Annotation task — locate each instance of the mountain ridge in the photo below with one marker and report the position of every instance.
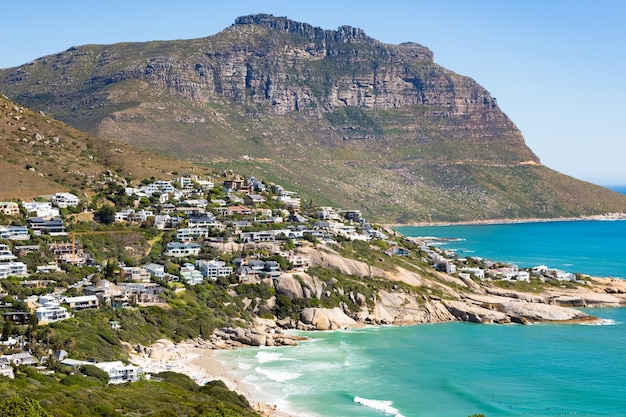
(335, 115)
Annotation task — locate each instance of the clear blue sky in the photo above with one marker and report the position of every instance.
(557, 67)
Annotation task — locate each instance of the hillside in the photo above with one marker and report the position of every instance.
(338, 116)
(39, 156)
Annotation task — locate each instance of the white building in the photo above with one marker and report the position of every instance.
(14, 233)
(191, 275)
(50, 310)
(42, 209)
(155, 269)
(214, 269)
(63, 200)
(11, 269)
(182, 250)
(118, 372)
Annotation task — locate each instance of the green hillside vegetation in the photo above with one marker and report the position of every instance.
(84, 392)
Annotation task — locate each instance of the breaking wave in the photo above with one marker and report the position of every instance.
(379, 405)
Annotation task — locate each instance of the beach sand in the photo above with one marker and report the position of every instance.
(201, 365)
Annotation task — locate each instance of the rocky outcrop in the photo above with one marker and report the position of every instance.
(326, 319)
(289, 286)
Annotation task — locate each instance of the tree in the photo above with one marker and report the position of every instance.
(22, 407)
(105, 215)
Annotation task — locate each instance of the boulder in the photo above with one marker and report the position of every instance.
(326, 319)
(289, 286)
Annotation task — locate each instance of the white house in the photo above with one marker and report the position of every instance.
(214, 269)
(155, 269)
(42, 209)
(9, 269)
(63, 200)
(191, 275)
(182, 250)
(118, 372)
(50, 310)
(14, 233)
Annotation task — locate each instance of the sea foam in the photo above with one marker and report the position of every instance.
(379, 405)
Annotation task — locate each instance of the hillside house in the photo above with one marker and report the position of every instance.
(14, 233)
(52, 227)
(50, 310)
(64, 200)
(182, 250)
(9, 208)
(12, 269)
(41, 209)
(6, 254)
(190, 275)
(397, 251)
(155, 269)
(214, 269)
(81, 302)
(136, 274)
(118, 372)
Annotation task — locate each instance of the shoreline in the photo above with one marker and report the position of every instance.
(201, 364)
(601, 217)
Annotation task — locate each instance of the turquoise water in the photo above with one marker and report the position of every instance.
(447, 370)
(591, 247)
(460, 369)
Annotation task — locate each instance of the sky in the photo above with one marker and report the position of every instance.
(556, 67)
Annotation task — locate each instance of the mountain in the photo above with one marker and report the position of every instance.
(40, 155)
(336, 115)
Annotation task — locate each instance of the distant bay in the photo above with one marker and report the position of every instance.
(593, 247)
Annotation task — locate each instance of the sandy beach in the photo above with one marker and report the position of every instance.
(201, 365)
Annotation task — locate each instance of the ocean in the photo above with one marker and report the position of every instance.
(461, 369)
(446, 370)
(593, 247)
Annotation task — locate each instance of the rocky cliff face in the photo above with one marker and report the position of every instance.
(333, 114)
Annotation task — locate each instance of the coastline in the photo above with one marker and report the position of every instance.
(200, 364)
(601, 217)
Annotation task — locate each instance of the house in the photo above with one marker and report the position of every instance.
(162, 221)
(41, 209)
(299, 262)
(447, 266)
(81, 302)
(478, 273)
(118, 372)
(182, 250)
(236, 185)
(50, 310)
(190, 275)
(22, 358)
(155, 269)
(17, 317)
(52, 227)
(48, 269)
(63, 200)
(9, 208)
(10, 269)
(6, 369)
(136, 274)
(214, 269)
(254, 199)
(246, 274)
(130, 294)
(14, 233)
(238, 210)
(398, 251)
(187, 234)
(6, 254)
(206, 221)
